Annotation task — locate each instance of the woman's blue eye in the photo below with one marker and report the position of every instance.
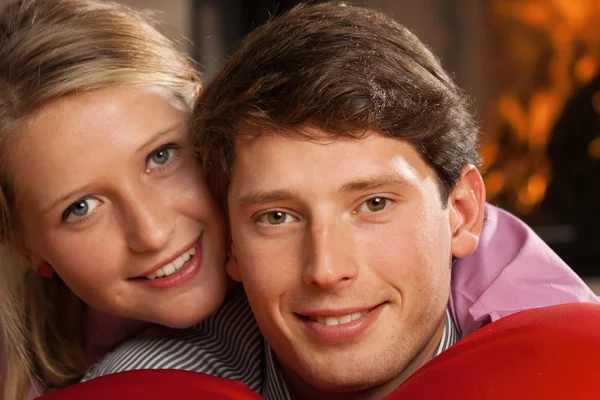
(80, 209)
(160, 156)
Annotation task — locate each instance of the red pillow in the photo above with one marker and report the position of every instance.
(544, 353)
(154, 385)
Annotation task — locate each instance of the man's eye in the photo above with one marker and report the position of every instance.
(80, 209)
(160, 157)
(275, 218)
(375, 204)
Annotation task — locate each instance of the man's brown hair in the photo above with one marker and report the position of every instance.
(345, 70)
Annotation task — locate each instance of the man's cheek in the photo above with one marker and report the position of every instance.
(260, 269)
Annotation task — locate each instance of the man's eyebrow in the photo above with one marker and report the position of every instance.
(372, 183)
(256, 197)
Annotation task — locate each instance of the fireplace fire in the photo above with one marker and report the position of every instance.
(541, 141)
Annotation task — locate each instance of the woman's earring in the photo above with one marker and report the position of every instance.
(45, 271)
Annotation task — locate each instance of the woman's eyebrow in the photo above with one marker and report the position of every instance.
(155, 137)
(46, 210)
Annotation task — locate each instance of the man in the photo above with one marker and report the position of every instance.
(347, 161)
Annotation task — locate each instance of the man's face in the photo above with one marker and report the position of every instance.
(344, 249)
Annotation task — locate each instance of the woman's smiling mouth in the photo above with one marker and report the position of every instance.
(173, 266)
(177, 270)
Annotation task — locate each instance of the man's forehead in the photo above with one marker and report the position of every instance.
(308, 139)
(302, 149)
(272, 162)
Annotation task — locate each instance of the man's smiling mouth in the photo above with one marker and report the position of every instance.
(341, 325)
(344, 319)
(337, 317)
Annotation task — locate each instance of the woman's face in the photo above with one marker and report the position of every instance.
(110, 195)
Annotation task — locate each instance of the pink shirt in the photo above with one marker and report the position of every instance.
(511, 270)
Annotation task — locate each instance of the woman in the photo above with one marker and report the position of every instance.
(100, 195)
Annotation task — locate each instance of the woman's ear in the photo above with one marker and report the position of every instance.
(17, 241)
(467, 204)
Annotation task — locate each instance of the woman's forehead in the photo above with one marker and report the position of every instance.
(78, 138)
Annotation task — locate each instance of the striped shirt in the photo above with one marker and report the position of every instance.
(228, 345)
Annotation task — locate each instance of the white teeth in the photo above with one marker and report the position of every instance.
(179, 262)
(173, 266)
(357, 315)
(169, 269)
(344, 319)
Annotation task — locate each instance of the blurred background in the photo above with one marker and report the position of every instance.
(532, 68)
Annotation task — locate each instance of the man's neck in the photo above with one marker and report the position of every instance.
(304, 391)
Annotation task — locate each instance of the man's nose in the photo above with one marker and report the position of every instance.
(150, 222)
(330, 262)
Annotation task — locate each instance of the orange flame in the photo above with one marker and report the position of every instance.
(546, 50)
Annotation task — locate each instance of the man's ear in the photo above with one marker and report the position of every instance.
(198, 91)
(467, 202)
(231, 266)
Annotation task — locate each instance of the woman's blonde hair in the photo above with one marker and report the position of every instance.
(50, 49)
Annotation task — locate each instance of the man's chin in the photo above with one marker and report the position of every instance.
(356, 381)
(351, 369)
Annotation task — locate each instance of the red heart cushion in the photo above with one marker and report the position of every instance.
(154, 385)
(544, 353)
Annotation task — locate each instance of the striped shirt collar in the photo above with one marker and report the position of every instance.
(276, 387)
